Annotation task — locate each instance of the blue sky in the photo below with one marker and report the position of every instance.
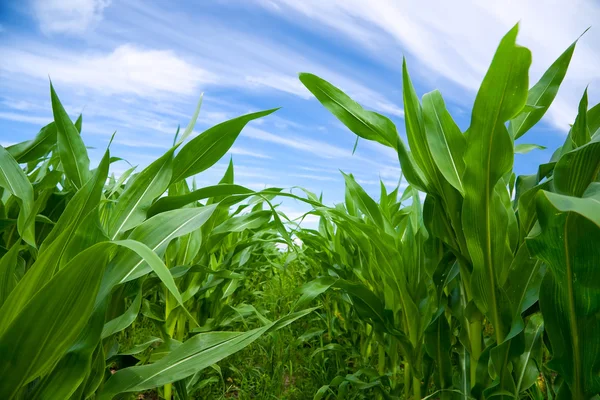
(138, 67)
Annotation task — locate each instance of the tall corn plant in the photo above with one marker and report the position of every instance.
(505, 257)
(78, 246)
(385, 261)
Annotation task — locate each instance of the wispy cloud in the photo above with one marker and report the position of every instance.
(29, 119)
(456, 40)
(68, 16)
(128, 69)
(239, 151)
(315, 177)
(318, 148)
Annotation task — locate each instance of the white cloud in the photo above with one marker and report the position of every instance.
(140, 143)
(315, 177)
(250, 153)
(456, 40)
(316, 147)
(29, 119)
(320, 169)
(68, 16)
(127, 70)
(288, 84)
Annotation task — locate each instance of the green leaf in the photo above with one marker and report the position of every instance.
(195, 354)
(155, 262)
(314, 288)
(567, 241)
(173, 202)
(71, 148)
(38, 147)
(62, 307)
(190, 128)
(14, 180)
(576, 169)
(526, 368)
(524, 148)
(251, 220)
(438, 347)
(75, 365)
(363, 201)
(542, 94)
(70, 228)
(206, 149)
(8, 279)
(156, 233)
(579, 134)
(445, 139)
(134, 202)
(366, 124)
(124, 320)
(415, 131)
(593, 120)
(488, 158)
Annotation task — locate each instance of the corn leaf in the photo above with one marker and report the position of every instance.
(567, 241)
(71, 148)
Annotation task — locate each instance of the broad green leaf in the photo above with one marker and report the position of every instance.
(62, 307)
(124, 320)
(173, 202)
(251, 220)
(524, 148)
(8, 279)
(576, 169)
(415, 132)
(83, 202)
(74, 366)
(314, 288)
(71, 148)
(155, 262)
(542, 94)
(363, 201)
(366, 124)
(14, 180)
(156, 233)
(206, 149)
(527, 367)
(489, 156)
(445, 139)
(580, 134)
(438, 347)
(195, 354)
(593, 119)
(138, 348)
(133, 203)
(567, 241)
(38, 147)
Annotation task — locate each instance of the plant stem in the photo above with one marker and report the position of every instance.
(475, 337)
(406, 380)
(417, 388)
(381, 361)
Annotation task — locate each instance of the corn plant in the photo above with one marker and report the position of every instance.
(84, 256)
(506, 241)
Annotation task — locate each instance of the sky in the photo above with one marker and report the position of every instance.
(138, 68)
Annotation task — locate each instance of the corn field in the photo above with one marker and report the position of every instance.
(472, 283)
